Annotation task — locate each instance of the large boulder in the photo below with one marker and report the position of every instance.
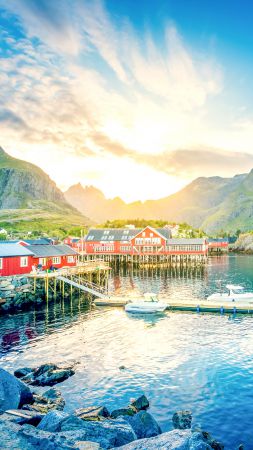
(52, 421)
(107, 433)
(182, 419)
(27, 437)
(13, 393)
(144, 425)
(172, 440)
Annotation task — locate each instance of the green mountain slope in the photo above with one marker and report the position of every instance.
(30, 200)
(213, 204)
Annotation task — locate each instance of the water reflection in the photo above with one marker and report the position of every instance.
(180, 360)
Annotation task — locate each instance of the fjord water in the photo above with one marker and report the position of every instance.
(201, 362)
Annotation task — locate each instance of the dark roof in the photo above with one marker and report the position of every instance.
(14, 250)
(121, 234)
(111, 234)
(40, 241)
(51, 250)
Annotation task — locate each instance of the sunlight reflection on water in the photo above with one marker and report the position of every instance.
(180, 360)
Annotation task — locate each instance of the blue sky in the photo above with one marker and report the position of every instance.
(106, 92)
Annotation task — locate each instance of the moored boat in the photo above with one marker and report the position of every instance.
(148, 304)
(234, 293)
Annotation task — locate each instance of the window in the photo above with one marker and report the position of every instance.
(56, 260)
(24, 261)
(1, 263)
(42, 261)
(107, 232)
(70, 259)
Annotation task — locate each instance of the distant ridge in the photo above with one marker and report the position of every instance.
(213, 204)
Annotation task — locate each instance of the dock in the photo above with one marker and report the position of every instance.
(90, 276)
(193, 306)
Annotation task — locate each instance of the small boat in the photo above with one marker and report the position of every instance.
(234, 293)
(148, 304)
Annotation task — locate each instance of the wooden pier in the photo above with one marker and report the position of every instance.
(90, 276)
(189, 305)
(151, 261)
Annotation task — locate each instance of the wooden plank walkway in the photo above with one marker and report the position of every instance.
(194, 306)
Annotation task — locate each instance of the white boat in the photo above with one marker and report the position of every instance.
(234, 293)
(148, 304)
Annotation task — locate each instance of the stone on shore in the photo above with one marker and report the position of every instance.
(123, 412)
(21, 417)
(52, 421)
(107, 433)
(140, 403)
(45, 375)
(50, 400)
(93, 413)
(182, 419)
(144, 425)
(172, 440)
(13, 393)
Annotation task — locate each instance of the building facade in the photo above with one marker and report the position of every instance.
(147, 241)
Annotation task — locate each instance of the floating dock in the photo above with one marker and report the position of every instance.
(195, 306)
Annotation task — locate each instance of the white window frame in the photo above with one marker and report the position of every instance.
(1, 263)
(43, 261)
(56, 260)
(24, 261)
(70, 259)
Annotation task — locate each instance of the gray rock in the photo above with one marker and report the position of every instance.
(50, 400)
(87, 445)
(20, 373)
(13, 393)
(130, 411)
(141, 403)
(144, 425)
(182, 419)
(52, 421)
(46, 375)
(93, 413)
(21, 417)
(172, 440)
(108, 433)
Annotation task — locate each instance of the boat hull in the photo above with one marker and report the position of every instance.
(145, 309)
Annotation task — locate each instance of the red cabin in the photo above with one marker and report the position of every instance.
(15, 259)
(57, 256)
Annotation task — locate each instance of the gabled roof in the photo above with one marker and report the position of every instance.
(40, 241)
(121, 234)
(111, 234)
(14, 250)
(47, 251)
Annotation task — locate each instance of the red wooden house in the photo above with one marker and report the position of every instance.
(147, 241)
(57, 256)
(15, 259)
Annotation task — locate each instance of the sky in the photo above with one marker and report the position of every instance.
(136, 98)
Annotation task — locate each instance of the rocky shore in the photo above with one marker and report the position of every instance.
(244, 243)
(17, 294)
(29, 419)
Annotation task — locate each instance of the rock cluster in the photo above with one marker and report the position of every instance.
(17, 293)
(30, 420)
(45, 375)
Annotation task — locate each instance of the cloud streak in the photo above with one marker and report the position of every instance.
(78, 85)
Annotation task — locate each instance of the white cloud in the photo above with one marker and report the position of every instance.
(86, 76)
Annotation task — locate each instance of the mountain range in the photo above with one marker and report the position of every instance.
(212, 203)
(30, 199)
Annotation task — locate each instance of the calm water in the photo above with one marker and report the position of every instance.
(203, 362)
